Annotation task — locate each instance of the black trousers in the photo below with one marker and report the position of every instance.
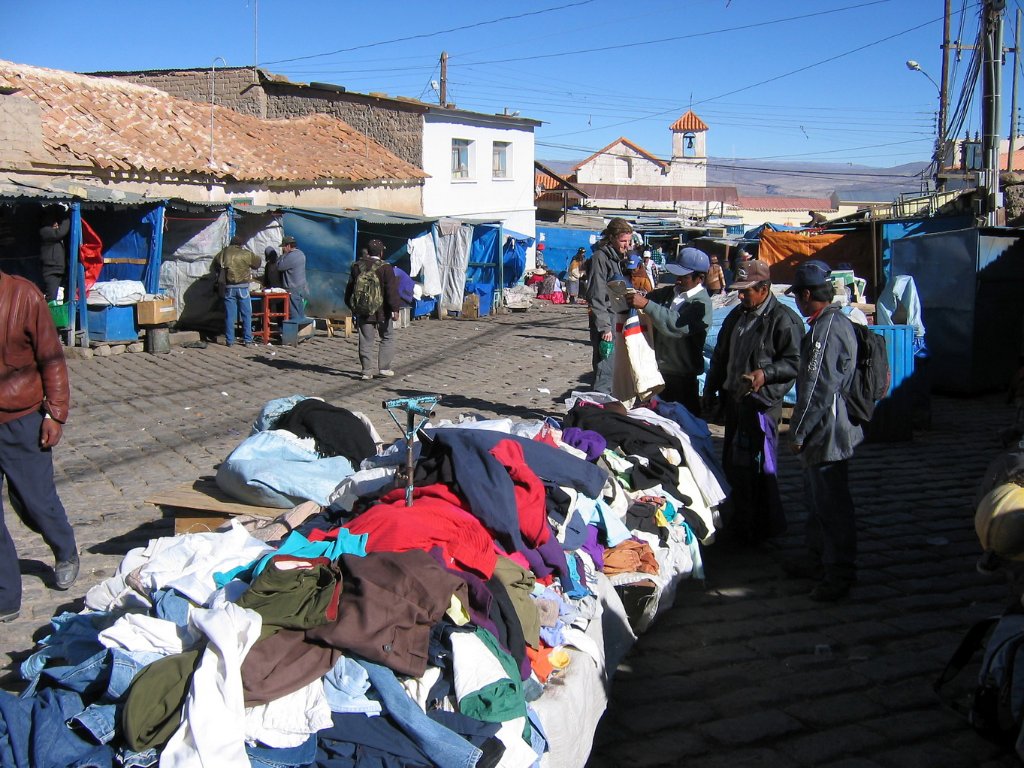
(831, 528)
(683, 390)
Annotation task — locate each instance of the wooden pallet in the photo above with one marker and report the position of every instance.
(202, 506)
(346, 319)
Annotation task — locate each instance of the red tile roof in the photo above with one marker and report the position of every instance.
(689, 122)
(780, 203)
(622, 140)
(116, 125)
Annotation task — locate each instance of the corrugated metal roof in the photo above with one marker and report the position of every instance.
(662, 194)
(689, 122)
(780, 203)
(119, 126)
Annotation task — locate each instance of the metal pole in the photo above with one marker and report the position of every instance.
(991, 82)
(1013, 94)
(213, 98)
(256, 40)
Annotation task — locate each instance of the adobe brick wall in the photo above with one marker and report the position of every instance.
(233, 87)
(399, 130)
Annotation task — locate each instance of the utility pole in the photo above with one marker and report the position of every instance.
(992, 61)
(443, 94)
(940, 150)
(1013, 94)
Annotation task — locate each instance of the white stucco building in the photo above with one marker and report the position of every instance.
(625, 175)
(479, 167)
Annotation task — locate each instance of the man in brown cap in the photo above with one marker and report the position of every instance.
(754, 365)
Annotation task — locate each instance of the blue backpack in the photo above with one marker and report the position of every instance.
(995, 707)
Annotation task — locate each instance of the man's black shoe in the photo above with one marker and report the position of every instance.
(829, 591)
(66, 572)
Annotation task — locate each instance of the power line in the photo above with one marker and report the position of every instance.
(433, 34)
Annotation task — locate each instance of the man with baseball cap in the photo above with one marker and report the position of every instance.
(681, 316)
(754, 365)
(292, 265)
(823, 436)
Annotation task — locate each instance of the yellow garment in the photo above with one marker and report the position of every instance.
(999, 521)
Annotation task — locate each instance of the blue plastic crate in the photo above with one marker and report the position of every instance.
(893, 420)
(113, 324)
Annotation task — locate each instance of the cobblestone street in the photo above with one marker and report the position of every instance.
(744, 670)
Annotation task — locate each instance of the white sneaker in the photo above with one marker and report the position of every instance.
(366, 376)
(387, 372)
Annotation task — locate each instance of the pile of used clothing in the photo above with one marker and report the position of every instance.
(365, 632)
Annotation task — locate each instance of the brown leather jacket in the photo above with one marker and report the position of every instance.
(33, 374)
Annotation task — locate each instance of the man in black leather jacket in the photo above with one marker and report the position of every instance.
(754, 365)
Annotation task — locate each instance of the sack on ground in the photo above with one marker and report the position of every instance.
(871, 376)
(996, 705)
(367, 293)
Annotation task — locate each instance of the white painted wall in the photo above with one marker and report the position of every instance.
(688, 172)
(509, 200)
(613, 168)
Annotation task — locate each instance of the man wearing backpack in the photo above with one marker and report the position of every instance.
(823, 435)
(372, 295)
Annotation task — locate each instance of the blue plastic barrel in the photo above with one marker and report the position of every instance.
(894, 415)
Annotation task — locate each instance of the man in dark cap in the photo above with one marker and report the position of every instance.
(292, 265)
(681, 316)
(754, 365)
(823, 436)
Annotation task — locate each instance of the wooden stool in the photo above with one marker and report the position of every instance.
(349, 326)
(267, 312)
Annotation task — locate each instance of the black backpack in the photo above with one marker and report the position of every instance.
(995, 706)
(870, 377)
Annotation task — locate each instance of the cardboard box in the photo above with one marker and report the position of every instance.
(156, 312)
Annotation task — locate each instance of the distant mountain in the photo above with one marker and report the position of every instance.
(795, 179)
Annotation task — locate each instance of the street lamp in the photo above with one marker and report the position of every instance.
(913, 66)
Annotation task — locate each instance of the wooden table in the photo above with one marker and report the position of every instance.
(273, 307)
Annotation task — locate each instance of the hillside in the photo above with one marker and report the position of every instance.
(789, 179)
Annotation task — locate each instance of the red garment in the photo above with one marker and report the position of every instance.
(436, 519)
(90, 253)
(529, 490)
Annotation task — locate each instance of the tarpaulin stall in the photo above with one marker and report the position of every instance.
(969, 282)
(784, 251)
(561, 244)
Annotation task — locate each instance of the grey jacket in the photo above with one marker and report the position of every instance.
(604, 265)
(828, 355)
(680, 333)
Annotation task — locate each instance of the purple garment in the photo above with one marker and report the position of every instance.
(593, 548)
(587, 440)
(771, 443)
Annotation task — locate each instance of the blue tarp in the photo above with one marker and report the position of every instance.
(755, 233)
(897, 230)
(514, 256)
(329, 243)
(482, 271)
(561, 244)
(131, 233)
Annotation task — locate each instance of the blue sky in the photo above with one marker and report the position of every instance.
(808, 80)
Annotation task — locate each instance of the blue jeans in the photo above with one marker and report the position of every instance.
(296, 306)
(443, 746)
(237, 303)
